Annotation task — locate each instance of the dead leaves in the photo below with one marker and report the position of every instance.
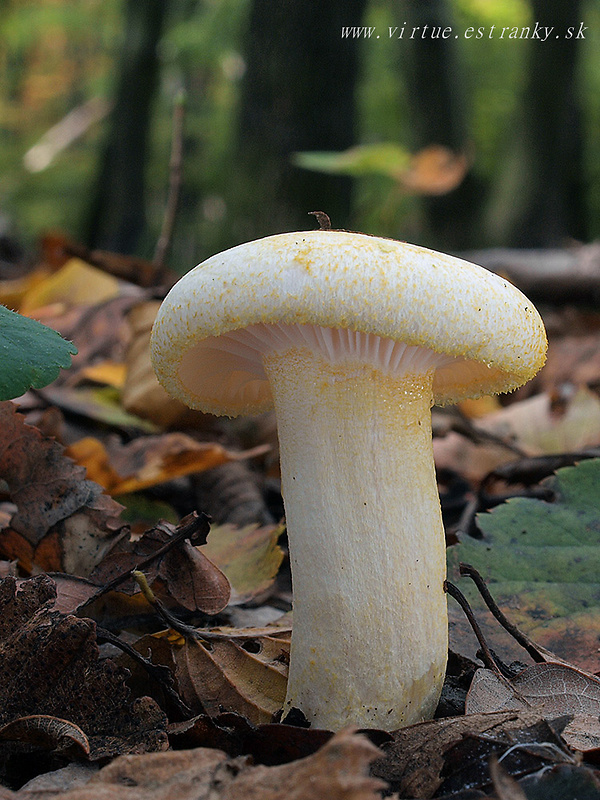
(338, 771)
(231, 670)
(148, 460)
(55, 693)
(443, 756)
(553, 689)
(171, 556)
(56, 505)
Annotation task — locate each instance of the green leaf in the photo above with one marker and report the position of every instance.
(31, 354)
(541, 561)
(385, 158)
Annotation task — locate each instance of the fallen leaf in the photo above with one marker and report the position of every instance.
(50, 669)
(563, 782)
(142, 393)
(148, 460)
(99, 404)
(534, 425)
(190, 577)
(53, 496)
(269, 744)
(506, 788)
(441, 756)
(240, 670)
(74, 284)
(12, 291)
(249, 556)
(555, 690)
(542, 564)
(107, 373)
(47, 733)
(338, 771)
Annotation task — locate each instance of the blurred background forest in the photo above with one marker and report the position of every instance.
(489, 142)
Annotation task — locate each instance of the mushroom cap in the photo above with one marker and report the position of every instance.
(334, 290)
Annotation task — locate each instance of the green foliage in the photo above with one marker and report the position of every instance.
(385, 158)
(31, 354)
(541, 559)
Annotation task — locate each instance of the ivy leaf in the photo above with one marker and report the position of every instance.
(31, 354)
(541, 561)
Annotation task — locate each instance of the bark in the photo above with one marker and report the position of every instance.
(117, 216)
(298, 94)
(548, 192)
(438, 113)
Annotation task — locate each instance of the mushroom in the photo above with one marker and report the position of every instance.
(352, 338)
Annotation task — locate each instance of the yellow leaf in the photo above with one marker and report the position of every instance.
(75, 284)
(250, 557)
(13, 291)
(108, 373)
(142, 393)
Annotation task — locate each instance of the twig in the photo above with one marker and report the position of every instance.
(175, 174)
(161, 674)
(194, 527)
(322, 219)
(487, 656)
(185, 630)
(538, 654)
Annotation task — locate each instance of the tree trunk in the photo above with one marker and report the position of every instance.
(298, 94)
(551, 186)
(438, 117)
(117, 216)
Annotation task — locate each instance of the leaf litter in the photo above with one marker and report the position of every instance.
(221, 687)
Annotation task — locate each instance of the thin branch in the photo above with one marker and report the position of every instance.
(175, 175)
(538, 654)
(194, 527)
(161, 674)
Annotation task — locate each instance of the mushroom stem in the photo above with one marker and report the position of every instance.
(367, 548)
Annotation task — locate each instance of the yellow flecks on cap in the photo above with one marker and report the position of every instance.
(371, 285)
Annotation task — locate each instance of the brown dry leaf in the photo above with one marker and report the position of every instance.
(142, 393)
(149, 460)
(75, 284)
(573, 359)
(189, 576)
(535, 425)
(552, 689)
(434, 170)
(338, 771)
(249, 556)
(47, 733)
(424, 756)
(54, 500)
(506, 788)
(244, 671)
(50, 667)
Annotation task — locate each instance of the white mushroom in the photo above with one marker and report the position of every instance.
(352, 338)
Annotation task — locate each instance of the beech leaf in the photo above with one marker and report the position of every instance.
(555, 690)
(249, 556)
